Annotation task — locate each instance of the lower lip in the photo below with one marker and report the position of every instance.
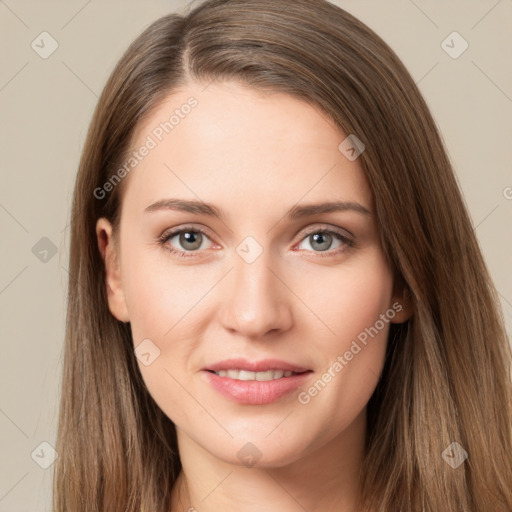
(255, 392)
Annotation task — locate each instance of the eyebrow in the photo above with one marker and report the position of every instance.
(297, 212)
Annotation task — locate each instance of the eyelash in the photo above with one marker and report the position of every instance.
(165, 237)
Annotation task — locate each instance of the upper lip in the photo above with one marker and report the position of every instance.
(254, 366)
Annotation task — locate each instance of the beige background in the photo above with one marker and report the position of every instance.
(46, 105)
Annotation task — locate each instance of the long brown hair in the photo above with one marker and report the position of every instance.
(446, 376)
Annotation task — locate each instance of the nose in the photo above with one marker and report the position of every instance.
(257, 301)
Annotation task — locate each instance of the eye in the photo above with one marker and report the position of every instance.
(187, 239)
(322, 240)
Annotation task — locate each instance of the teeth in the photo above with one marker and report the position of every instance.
(259, 376)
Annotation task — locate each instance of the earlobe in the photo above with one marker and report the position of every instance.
(402, 304)
(113, 283)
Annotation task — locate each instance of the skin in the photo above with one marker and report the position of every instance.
(254, 156)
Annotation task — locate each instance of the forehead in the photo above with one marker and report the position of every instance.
(229, 143)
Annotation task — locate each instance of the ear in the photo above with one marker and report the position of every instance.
(109, 254)
(401, 303)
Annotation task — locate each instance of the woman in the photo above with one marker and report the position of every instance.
(331, 340)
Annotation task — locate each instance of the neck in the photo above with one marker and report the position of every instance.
(323, 479)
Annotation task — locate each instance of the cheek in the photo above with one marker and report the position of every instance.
(355, 309)
(158, 292)
(162, 299)
(347, 298)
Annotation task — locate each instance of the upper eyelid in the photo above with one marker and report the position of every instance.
(319, 227)
(170, 233)
(328, 228)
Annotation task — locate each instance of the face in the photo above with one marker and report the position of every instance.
(219, 256)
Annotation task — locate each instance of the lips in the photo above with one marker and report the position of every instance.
(259, 391)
